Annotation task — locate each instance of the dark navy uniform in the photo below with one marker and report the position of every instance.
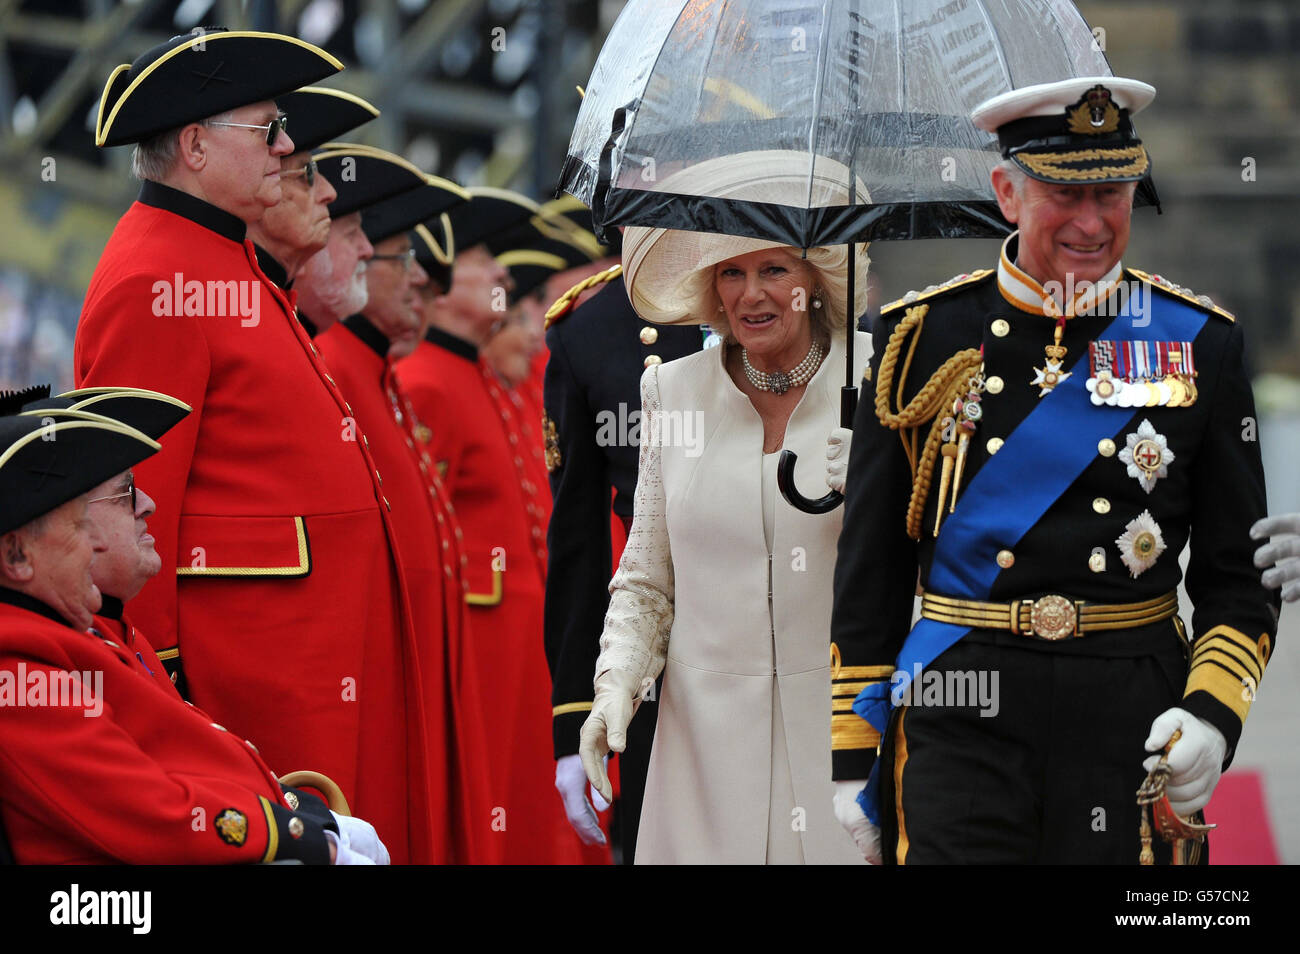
(1044, 767)
(598, 353)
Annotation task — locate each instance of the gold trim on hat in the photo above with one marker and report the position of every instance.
(1052, 164)
(101, 133)
(531, 256)
(334, 150)
(341, 94)
(442, 256)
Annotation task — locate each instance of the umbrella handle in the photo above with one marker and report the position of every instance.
(785, 466)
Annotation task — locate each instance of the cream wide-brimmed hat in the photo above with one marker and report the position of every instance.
(669, 272)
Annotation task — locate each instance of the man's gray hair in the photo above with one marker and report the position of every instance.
(154, 157)
(1014, 173)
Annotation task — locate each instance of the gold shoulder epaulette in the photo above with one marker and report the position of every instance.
(564, 304)
(1178, 291)
(957, 281)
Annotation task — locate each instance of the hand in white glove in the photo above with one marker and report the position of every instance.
(1195, 761)
(571, 782)
(837, 458)
(1281, 555)
(358, 837)
(849, 814)
(618, 694)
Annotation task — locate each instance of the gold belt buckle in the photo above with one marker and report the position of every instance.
(1053, 617)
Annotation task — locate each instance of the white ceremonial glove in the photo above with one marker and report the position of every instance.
(618, 694)
(358, 837)
(837, 458)
(571, 782)
(1281, 555)
(1195, 761)
(849, 814)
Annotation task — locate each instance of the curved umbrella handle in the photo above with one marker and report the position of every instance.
(785, 481)
(785, 466)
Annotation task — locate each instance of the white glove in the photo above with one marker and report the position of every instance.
(1281, 555)
(1195, 761)
(849, 814)
(837, 458)
(618, 694)
(358, 842)
(571, 782)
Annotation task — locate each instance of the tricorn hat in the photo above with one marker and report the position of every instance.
(1071, 132)
(530, 267)
(364, 175)
(150, 412)
(319, 115)
(201, 74)
(490, 216)
(435, 249)
(46, 463)
(403, 212)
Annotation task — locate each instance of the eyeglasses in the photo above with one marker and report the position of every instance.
(129, 492)
(308, 171)
(273, 128)
(407, 258)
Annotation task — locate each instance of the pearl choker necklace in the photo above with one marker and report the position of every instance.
(778, 382)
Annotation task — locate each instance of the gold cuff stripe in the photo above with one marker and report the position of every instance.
(1230, 658)
(848, 688)
(870, 673)
(1226, 638)
(852, 732)
(1054, 164)
(489, 599)
(1227, 687)
(568, 707)
(272, 831)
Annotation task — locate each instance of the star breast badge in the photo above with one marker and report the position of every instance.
(1147, 455)
(1141, 544)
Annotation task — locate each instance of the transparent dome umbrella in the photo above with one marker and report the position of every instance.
(883, 87)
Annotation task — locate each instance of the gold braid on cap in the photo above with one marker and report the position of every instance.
(948, 383)
(564, 304)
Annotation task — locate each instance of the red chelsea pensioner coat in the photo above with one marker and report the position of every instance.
(280, 579)
(122, 771)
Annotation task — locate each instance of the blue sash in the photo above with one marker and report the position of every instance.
(1000, 505)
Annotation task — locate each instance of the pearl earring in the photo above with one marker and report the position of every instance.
(817, 299)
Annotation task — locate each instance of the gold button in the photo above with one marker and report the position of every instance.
(292, 800)
(1097, 562)
(295, 827)
(649, 335)
(652, 360)
(1006, 558)
(1001, 327)
(1106, 447)
(221, 728)
(993, 385)
(994, 445)
(1101, 505)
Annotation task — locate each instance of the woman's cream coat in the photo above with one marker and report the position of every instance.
(691, 598)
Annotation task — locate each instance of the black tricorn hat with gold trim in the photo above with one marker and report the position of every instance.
(201, 74)
(364, 175)
(319, 115)
(532, 266)
(46, 463)
(435, 249)
(402, 212)
(1072, 132)
(149, 412)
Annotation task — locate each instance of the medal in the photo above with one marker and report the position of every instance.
(1141, 544)
(1147, 456)
(1050, 374)
(1141, 373)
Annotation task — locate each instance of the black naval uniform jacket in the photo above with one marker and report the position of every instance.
(598, 353)
(1214, 491)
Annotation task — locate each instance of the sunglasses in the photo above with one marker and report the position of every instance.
(308, 172)
(273, 128)
(129, 492)
(405, 259)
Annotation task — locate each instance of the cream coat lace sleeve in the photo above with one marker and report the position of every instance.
(640, 614)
